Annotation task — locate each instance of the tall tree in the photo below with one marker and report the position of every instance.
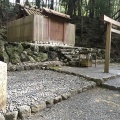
(70, 7)
(52, 4)
(38, 3)
(79, 7)
(17, 1)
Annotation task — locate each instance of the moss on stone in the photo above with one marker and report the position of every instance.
(6, 57)
(15, 58)
(29, 52)
(3, 55)
(1, 50)
(24, 57)
(43, 57)
(31, 58)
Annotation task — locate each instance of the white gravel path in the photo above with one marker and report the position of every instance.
(27, 87)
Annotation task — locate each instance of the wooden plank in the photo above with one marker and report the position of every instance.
(107, 19)
(69, 34)
(21, 29)
(45, 29)
(108, 47)
(115, 31)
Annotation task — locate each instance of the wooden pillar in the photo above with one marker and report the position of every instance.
(108, 47)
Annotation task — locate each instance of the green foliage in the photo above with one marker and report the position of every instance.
(91, 8)
(6, 10)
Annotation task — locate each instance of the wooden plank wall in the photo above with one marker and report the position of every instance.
(40, 29)
(37, 28)
(45, 30)
(69, 34)
(56, 31)
(20, 29)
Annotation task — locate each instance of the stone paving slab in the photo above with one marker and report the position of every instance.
(95, 74)
(113, 84)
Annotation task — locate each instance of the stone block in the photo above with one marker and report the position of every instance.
(38, 107)
(2, 117)
(50, 102)
(24, 112)
(57, 99)
(11, 115)
(3, 85)
(73, 92)
(20, 68)
(65, 96)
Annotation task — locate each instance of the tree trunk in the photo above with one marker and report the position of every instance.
(92, 8)
(17, 1)
(52, 4)
(79, 7)
(70, 7)
(38, 3)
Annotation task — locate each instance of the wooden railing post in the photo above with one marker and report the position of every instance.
(108, 47)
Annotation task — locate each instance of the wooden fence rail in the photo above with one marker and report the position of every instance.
(110, 23)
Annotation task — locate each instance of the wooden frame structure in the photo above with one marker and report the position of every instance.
(110, 23)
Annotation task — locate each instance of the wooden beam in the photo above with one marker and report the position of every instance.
(107, 19)
(108, 47)
(115, 31)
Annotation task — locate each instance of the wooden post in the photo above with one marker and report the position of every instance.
(108, 47)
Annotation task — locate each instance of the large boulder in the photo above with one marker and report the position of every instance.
(14, 52)
(24, 57)
(15, 58)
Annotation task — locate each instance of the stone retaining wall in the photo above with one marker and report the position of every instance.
(3, 85)
(17, 53)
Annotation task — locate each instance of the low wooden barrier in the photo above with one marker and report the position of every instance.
(110, 23)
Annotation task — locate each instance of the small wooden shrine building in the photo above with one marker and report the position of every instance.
(41, 26)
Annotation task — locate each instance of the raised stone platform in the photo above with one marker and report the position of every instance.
(95, 74)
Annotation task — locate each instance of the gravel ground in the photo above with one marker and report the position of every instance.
(95, 104)
(27, 87)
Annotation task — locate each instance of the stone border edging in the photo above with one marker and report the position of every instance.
(110, 87)
(32, 66)
(26, 111)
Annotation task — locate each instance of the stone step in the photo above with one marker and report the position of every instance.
(113, 84)
(70, 53)
(69, 50)
(72, 56)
